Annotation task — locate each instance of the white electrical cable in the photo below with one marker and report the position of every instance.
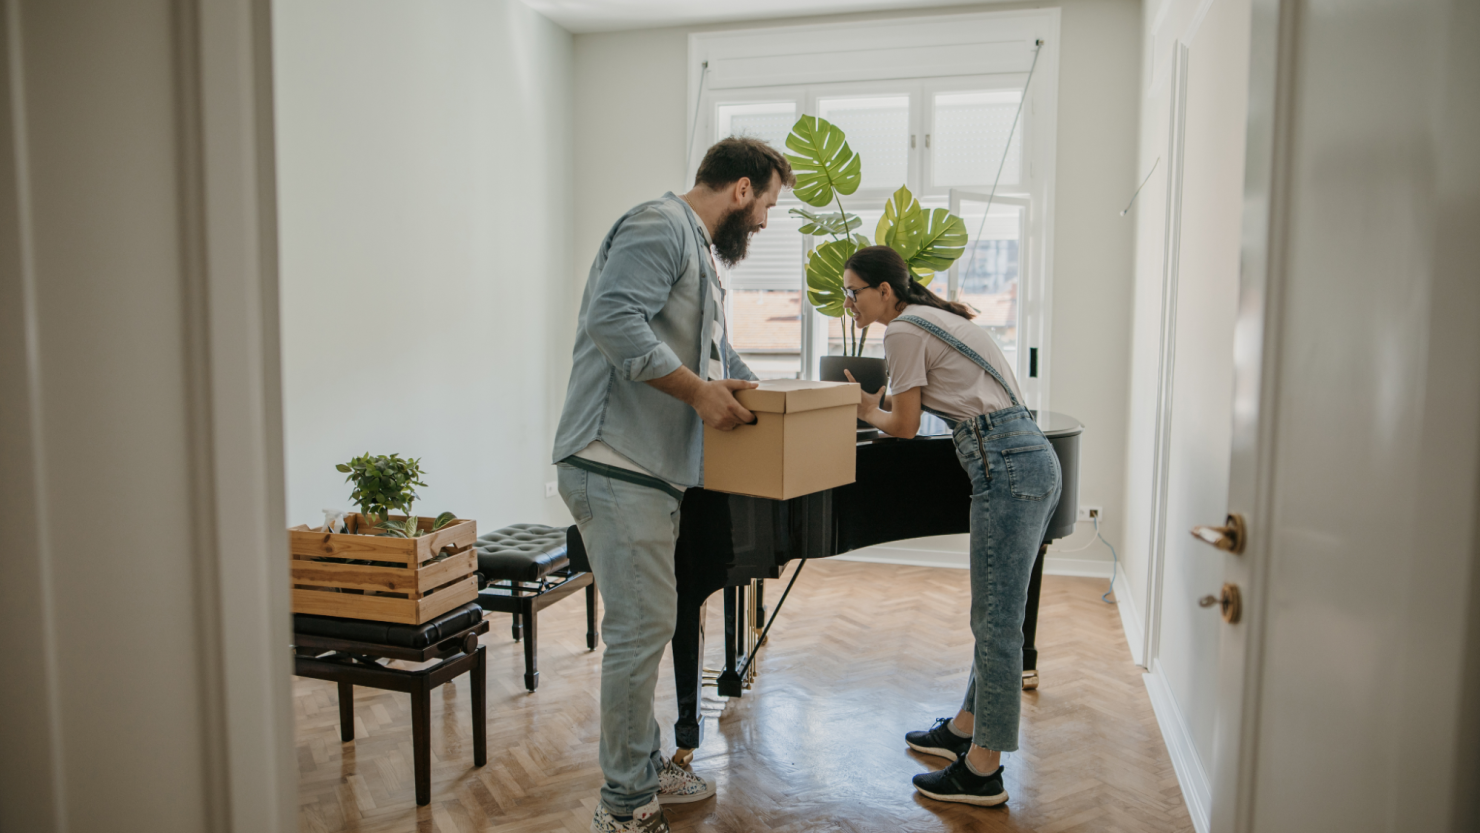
(1023, 99)
(1092, 541)
(703, 74)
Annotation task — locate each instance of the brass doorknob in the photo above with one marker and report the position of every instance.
(1227, 600)
(1229, 537)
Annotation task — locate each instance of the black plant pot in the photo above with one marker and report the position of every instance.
(871, 374)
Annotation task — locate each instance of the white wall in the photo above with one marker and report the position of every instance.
(630, 134)
(424, 174)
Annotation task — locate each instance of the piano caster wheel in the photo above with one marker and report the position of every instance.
(1030, 680)
(683, 757)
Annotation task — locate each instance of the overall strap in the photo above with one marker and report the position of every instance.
(969, 353)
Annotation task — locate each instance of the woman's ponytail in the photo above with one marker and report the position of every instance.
(876, 265)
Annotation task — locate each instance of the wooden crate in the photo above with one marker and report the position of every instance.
(406, 581)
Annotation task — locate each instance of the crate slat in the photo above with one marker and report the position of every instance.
(433, 576)
(356, 576)
(445, 599)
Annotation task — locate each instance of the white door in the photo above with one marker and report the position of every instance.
(1344, 704)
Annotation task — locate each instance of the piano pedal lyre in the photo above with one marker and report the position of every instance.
(1030, 680)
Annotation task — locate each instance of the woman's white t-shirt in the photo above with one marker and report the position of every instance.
(951, 383)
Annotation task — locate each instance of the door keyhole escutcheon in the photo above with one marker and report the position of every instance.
(1228, 601)
(1230, 537)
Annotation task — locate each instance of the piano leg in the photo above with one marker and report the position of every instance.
(688, 675)
(1030, 623)
(730, 683)
(759, 587)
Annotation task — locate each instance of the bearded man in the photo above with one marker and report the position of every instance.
(652, 366)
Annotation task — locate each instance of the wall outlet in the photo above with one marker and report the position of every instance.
(551, 489)
(1089, 513)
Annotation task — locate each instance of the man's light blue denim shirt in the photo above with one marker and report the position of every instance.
(629, 333)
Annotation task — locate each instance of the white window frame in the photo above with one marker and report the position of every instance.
(922, 56)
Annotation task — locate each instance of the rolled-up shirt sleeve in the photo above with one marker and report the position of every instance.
(644, 262)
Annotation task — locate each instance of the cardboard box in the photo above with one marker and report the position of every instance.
(804, 441)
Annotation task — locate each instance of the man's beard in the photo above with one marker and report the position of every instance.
(732, 238)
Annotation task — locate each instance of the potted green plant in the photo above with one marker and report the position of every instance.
(383, 483)
(827, 170)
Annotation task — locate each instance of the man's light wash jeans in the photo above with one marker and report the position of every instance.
(630, 532)
(1015, 487)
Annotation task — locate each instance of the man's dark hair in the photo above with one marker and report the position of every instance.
(741, 156)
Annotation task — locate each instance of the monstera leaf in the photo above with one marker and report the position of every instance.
(825, 274)
(822, 224)
(823, 162)
(942, 240)
(900, 227)
(927, 240)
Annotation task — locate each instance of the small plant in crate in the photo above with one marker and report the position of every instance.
(385, 482)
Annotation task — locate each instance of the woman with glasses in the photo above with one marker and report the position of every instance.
(941, 363)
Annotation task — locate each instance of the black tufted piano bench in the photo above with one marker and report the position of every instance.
(526, 567)
(349, 652)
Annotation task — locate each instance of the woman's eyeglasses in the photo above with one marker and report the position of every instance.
(852, 294)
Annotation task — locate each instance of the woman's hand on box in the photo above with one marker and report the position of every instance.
(867, 402)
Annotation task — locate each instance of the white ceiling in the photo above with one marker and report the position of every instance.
(581, 16)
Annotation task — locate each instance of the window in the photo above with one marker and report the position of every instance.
(928, 103)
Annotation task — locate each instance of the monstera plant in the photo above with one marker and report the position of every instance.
(826, 171)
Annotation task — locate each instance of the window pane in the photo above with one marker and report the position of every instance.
(765, 299)
(879, 131)
(988, 270)
(770, 122)
(768, 331)
(969, 135)
(776, 258)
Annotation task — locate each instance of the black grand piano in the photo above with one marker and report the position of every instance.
(731, 543)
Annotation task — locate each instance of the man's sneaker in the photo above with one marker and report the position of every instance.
(677, 785)
(958, 783)
(939, 741)
(647, 819)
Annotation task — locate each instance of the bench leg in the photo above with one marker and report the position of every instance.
(531, 662)
(514, 591)
(421, 741)
(480, 712)
(346, 712)
(591, 616)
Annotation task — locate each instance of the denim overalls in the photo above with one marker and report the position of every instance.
(1015, 486)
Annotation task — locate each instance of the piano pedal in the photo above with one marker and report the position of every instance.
(683, 757)
(1030, 680)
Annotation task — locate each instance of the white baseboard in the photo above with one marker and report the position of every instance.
(1191, 776)
(1130, 619)
(1053, 564)
(1063, 565)
(909, 556)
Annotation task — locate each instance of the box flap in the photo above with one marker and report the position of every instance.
(789, 396)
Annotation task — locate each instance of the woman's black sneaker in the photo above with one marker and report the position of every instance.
(939, 741)
(958, 783)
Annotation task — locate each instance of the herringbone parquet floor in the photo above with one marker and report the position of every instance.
(861, 654)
